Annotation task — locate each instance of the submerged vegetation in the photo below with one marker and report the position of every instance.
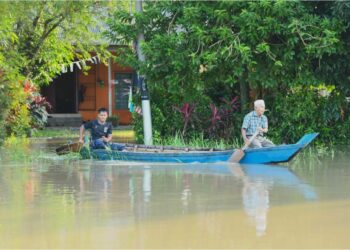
(312, 157)
(23, 150)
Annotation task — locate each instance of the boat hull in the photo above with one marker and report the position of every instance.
(281, 153)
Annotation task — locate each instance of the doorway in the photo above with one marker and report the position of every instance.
(65, 93)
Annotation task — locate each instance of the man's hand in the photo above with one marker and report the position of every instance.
(246, 141)
(105, 139)
(81, 140)
(262, 130)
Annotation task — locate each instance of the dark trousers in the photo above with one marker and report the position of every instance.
(100, 144)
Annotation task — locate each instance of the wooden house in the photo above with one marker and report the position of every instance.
(76, 95)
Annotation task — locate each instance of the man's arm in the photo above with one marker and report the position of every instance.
(244, 135)
(108, 138)
(245, 125)
(264, 128)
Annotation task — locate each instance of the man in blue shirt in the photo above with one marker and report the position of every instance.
(256, 121)
(101, 132)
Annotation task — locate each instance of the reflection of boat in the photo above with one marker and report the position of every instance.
(278, 175)
(257, 182)
(281, 153)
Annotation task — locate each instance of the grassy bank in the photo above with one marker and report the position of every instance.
(122, 135)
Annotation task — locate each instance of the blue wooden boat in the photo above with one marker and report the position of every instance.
(142, 153)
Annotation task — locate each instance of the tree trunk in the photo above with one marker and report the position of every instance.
(244, 89)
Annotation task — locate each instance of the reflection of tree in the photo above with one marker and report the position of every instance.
(30, 187)
(30, 201)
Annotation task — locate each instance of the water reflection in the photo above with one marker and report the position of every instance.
(90, 194)
(258, 181)
(255, 196)
(189, 188)
(52, 203)
(147, 183)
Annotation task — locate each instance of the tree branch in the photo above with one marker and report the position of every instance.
(37, 18)
(172, 21)
(41, 41)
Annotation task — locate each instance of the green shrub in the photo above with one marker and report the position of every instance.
(4, 107)
(137, 124)
(114, 119)
(17, 119)
(304, 110)
(158, 124)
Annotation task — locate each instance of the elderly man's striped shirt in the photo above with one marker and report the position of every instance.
(252, 121)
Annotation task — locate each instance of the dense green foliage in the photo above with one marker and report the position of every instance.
(199, 52)
(328, 115)
(206, 61)
(36, 39)
(114, 119)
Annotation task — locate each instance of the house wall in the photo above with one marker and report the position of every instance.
(94, 86)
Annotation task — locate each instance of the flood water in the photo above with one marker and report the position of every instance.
(54, 202)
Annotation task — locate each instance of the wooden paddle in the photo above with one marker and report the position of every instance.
(239, 153)
(69, 147)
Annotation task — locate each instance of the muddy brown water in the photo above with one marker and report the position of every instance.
(48, 201)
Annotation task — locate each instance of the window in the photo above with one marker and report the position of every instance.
(123, 82)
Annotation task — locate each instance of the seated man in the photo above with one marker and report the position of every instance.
(256, 121)
(101, 132)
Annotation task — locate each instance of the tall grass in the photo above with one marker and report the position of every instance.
(19, 150)
(312, 157)
(195, 141)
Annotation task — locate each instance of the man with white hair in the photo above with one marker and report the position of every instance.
(256, 121)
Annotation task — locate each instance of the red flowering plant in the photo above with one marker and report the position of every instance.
(215, 120)
(37, 106)
(231, 105)
(187, 111)
(38, 110)
(28, 87)
(221, 119)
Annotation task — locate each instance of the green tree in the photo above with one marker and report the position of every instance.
(38, 37)
(203, 50)
(52, 33)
